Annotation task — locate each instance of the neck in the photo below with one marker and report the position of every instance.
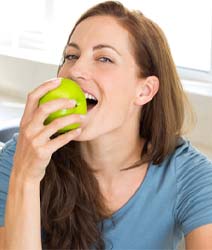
(111, 153)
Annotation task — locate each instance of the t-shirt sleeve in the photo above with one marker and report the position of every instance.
(194, 190)
(6, 163)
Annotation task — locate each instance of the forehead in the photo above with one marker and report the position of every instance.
(101, 29)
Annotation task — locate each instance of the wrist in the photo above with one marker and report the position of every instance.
(19, 180)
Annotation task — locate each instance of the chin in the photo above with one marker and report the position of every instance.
(84, 137)
(87, 136)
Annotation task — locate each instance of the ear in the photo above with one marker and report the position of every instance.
(147, 89)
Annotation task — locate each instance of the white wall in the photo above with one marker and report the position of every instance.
(20, 76)
(201, 135)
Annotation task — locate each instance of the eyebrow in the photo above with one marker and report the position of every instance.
(97, 47)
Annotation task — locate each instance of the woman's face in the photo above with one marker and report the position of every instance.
(99, 58)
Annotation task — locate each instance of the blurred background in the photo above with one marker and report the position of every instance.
(33, 34)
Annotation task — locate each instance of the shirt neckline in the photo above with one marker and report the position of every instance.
(139, 190)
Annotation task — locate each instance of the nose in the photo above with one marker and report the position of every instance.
(80, 70)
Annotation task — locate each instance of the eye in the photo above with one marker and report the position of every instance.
(105, 60)
(71, 57)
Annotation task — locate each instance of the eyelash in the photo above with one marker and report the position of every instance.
(74, 57)
(106, 60)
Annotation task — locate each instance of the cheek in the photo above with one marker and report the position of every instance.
(118, 86)
(61, 72)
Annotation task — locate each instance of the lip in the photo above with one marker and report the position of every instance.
(89, 92)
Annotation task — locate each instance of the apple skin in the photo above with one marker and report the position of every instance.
(67, 89)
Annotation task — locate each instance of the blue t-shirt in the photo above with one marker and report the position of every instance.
(174, 199)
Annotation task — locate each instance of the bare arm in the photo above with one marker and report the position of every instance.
(22, 218)
(200, 238)
(2, 236)
(34, 149)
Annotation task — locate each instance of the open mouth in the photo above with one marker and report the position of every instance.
(91, 101)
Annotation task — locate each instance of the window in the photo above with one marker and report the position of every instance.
(188, 28)
(23, 27)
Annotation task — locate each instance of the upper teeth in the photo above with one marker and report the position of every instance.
(89, 96)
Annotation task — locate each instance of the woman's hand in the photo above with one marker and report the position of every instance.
(34, 146)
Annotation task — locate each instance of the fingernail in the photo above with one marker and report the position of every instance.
(57, 80)
(73, 102)
(82, 116)
(78, 130)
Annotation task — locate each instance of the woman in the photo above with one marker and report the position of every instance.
(127, 179)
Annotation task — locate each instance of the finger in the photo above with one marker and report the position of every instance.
(44, 110)
(34, 96)
(60, 123)
(62, 140)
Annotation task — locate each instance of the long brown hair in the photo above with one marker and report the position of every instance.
(72, 206)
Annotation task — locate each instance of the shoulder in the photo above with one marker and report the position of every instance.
(193, 173)
(6, 157)
(6, 163)
(190, 163)
(9, 148)
(9, 145)
(183, 162)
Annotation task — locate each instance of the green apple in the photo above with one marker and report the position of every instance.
(67, 89)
